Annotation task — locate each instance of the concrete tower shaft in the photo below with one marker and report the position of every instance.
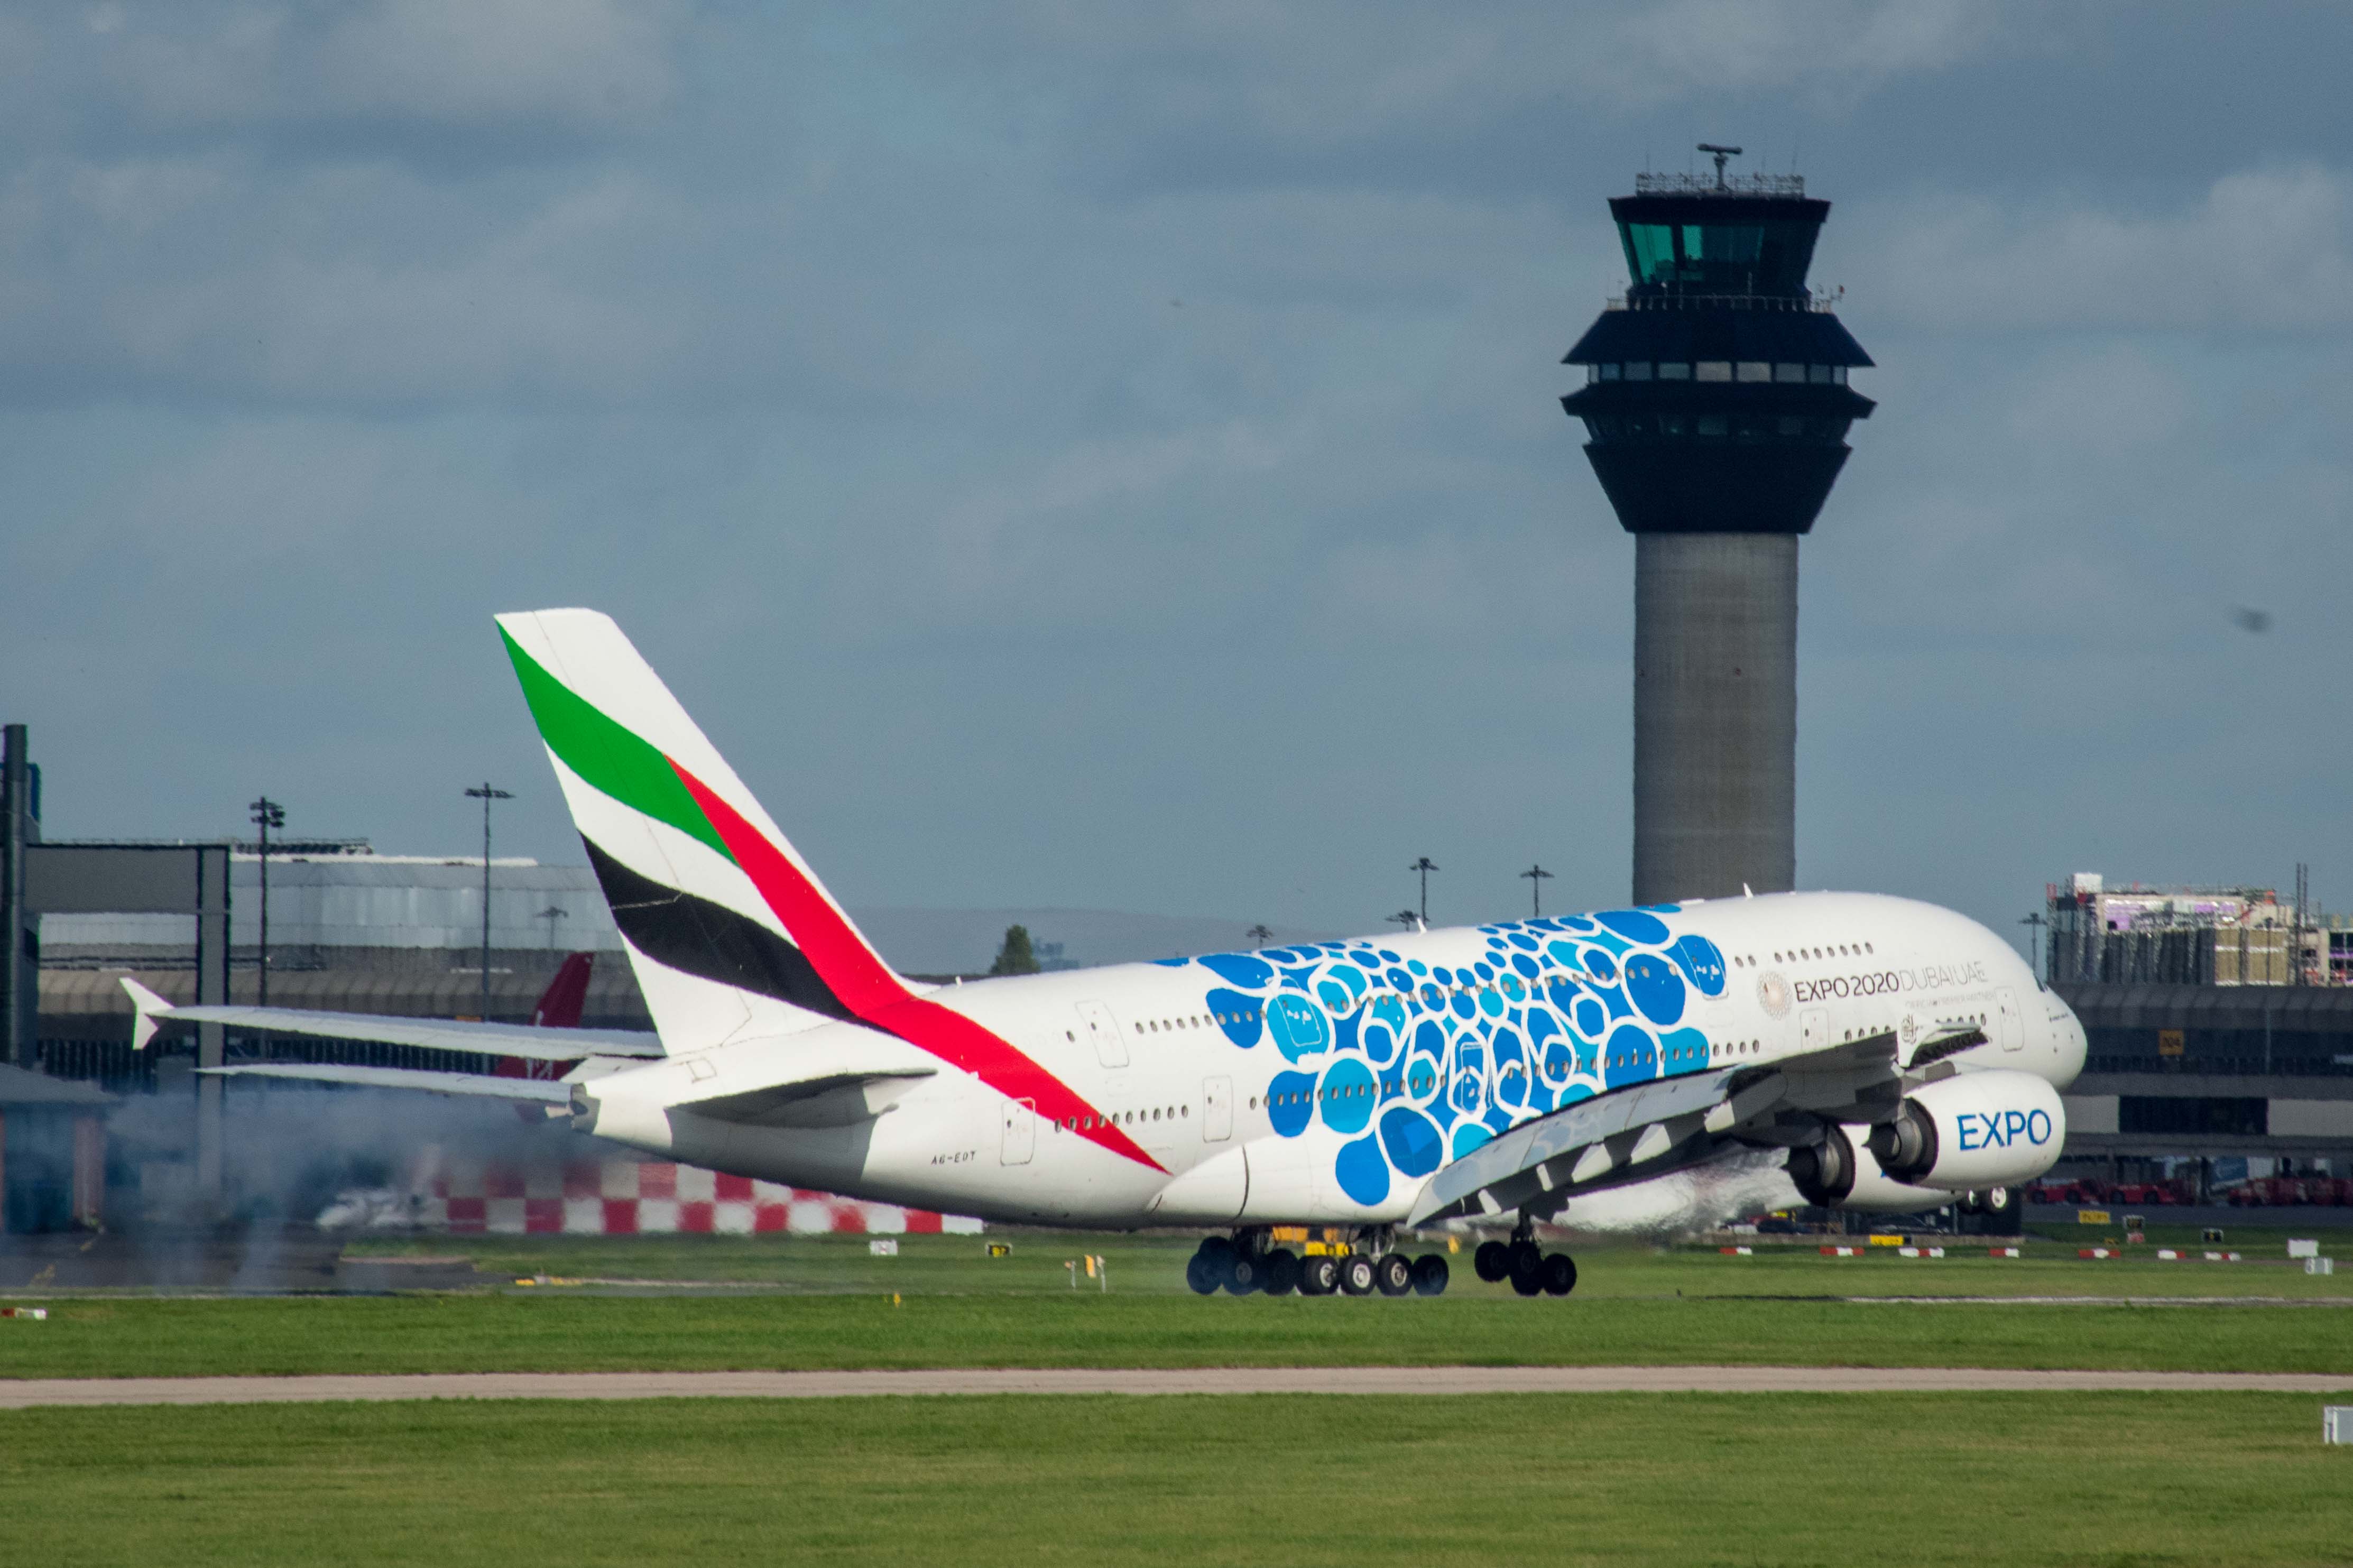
(1715, 714)
(1716, 408)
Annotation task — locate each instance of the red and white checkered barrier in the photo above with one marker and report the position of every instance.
(627, 1197)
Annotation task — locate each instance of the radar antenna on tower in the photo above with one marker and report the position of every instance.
(1721, 154)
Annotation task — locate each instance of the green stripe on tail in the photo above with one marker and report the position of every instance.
(605, 755)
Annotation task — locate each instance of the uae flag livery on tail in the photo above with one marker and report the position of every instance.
(730, 935)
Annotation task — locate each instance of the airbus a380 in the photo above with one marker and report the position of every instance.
(1902, 1056)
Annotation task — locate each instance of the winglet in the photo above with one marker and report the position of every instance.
(148, 1005)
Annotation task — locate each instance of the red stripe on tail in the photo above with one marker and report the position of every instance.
(867, 987)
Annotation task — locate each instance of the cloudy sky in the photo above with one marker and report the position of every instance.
(1100, 456)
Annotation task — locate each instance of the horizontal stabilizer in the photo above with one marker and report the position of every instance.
(524, 1040)
(833, 1099)
(545, 1091)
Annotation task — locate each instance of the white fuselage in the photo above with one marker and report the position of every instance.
(1287, 1126)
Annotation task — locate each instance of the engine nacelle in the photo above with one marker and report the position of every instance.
(1972, 1131)
(1830, 1174)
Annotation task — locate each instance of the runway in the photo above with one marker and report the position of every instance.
(28, 1393)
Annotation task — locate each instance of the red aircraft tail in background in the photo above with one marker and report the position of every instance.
(559, 1004)
(559, 1008)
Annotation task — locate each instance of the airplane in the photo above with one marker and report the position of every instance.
(1897, 1056)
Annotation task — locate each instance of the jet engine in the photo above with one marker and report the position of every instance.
(1972, 1131)
(1828, 1173)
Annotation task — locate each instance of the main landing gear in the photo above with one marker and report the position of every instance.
(1532, 1270)
(1248, 1262)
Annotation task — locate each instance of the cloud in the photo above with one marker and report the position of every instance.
(574, 66)
(1850, 47)
(2269, 249)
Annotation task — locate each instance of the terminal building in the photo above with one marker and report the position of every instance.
(2219, 1028)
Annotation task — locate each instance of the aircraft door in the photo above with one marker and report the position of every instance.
(2008, 1026)
(1020, 1133)
(1110, 1046)
(1217, 1109)
(1813, 1028)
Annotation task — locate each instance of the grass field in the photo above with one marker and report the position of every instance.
(956, 1307)
(1976, 1479)
(1154, 1265)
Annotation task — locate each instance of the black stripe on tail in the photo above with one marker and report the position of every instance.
(709, 941)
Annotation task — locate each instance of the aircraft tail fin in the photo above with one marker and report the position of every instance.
(559, 1005)
(729, 934)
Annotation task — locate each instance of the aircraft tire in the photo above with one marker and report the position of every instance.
(1997, 1200)
(1282, 1271)
(1216, 1248)
(1491, 1262)
(1430, 1273)
(1393, 1273)
(1559, 1274)
(1527, 1267)
(1357, 1276)
(1318, 1275)
(1245, 1274)
(1202, 1275)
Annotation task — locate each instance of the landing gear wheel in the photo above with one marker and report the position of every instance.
(1527, 1267)
(1318, 1275)
(1202, 1275)
(1217, 1249)
(1393, 1274)
(1559, 1274)
(1430, 1273)
(1245, 1274)
(1282, 1271)
(1492, 1261)
(1357, 1274)
(1997, 1200)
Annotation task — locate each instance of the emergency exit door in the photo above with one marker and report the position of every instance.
(1217, 1109)
(1020, 1132)
(2008, 1027)
(1103, 1029)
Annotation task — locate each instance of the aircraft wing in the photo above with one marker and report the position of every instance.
(430, 1034)
(545, 1091)
(1647, 1130)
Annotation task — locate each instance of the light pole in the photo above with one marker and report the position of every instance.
(2034, 935)
(266, 814)
(553, 913)
(1425, 865)
(486, 794)
(1538, 876)
(1259, 935)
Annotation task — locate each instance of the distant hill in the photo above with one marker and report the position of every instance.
(963, 942)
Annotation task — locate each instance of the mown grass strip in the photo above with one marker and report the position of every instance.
(1627, 1481)
(557, 1331)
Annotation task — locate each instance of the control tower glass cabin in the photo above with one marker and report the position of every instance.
(1716, 408)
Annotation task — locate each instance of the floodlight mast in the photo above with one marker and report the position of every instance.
(486, 794)
(265, 814)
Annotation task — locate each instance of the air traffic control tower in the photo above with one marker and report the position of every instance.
(1717, 405)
